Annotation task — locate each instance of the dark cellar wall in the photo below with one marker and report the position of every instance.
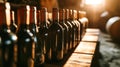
(30, 2)
(70, 4)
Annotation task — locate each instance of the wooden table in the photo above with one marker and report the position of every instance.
(82, 56)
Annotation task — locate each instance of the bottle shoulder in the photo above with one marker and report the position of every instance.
(43, 31)
(8, 37)
(25, 33)
(68, 24)
(64, 25)
(6, 32)
(55, 26)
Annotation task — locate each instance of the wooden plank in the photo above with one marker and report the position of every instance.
(74, 64)
(86, 47)
(90, 38)
(92, 34)
(92, 30)
(83, 58)
(79, 60)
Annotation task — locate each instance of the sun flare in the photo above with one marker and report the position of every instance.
(93, 2)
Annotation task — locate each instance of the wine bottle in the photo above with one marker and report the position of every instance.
(56, 34)
(26, 44)
(69, 29)
(65, 28)
(81, 26)
(43, 33)
(39, 55)
(8, 48)
(77, 38)
(33, 20)
(84, 22)
(74, 28)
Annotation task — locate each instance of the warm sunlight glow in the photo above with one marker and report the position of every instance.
(93, 2)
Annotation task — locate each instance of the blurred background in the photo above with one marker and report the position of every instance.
(94, 8)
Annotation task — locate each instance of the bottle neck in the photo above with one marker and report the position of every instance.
(43, 17)
(61, 15)
(66, 14)
(55, 15)
(70, 15)
(33, 15)
(5, 14)
(81, 14)
(38, 18)
(24, 15)
(78, 15)
(12, 17)
(74, 15)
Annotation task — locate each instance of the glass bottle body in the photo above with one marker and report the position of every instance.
(66, 32)
(74, 29)
(8, 47)
(65, 28)
(39, 55)
(26, 47)
(69, 34)
(56, 35)
(43, 33)
(69, 25)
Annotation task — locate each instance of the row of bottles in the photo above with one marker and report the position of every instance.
(32, 39)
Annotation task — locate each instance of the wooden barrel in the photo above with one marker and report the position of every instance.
(104, 17)
(113, 28)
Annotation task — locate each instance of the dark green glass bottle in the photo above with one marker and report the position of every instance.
(65, 27)
(39, 52)
(56, 34)
(69, 29)
(26, 44)
(74, 28)
(8, 48)
(81, 25)
(77, 24)
(43, 33)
